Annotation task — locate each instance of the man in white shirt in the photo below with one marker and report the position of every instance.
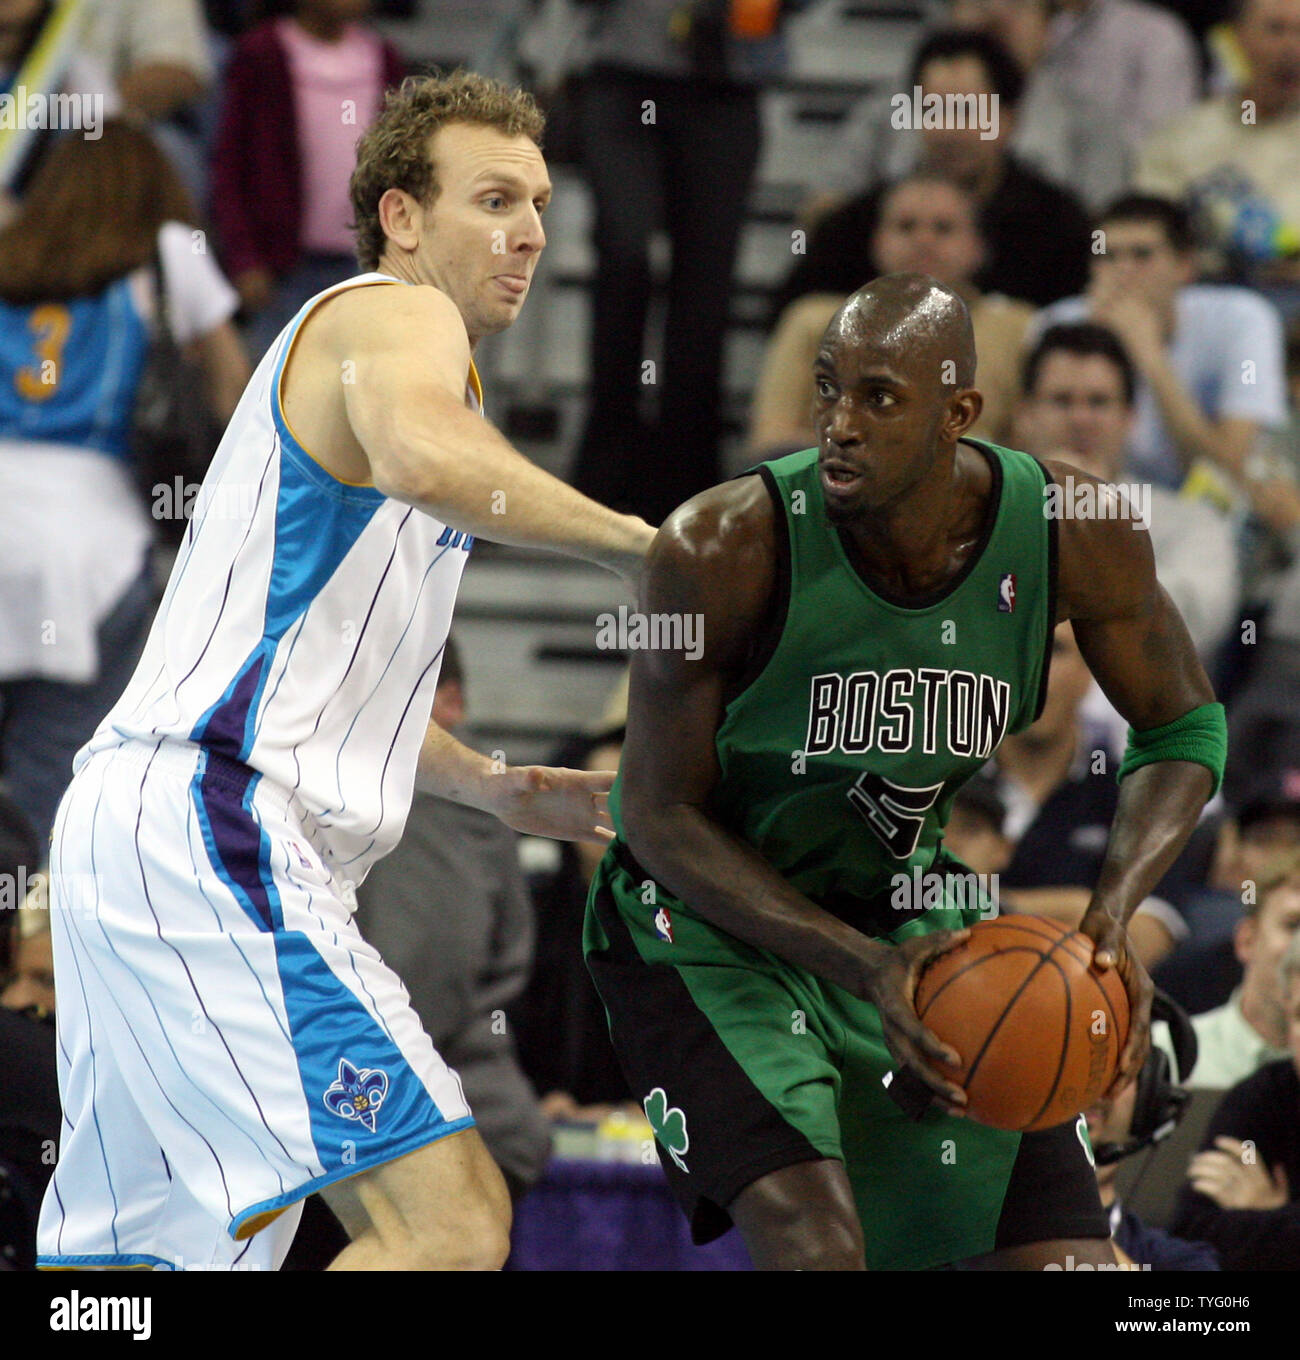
(1210, 358)
(1078, 404)
(1236, 1039)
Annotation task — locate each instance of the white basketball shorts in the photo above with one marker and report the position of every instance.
(227, 1041)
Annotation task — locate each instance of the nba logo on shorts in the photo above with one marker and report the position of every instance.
(1007, 593)
(664, 925)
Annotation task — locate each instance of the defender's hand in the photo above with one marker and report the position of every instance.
(567, 805)
(1113, 949)
(891, 987)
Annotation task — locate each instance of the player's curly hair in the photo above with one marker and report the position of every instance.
(393, 153)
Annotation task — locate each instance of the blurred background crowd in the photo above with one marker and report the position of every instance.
(1126, 234)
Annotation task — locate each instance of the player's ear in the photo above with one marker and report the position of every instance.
(399, 215)
(964, 408)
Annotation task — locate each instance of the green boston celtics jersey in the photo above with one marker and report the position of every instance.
(840, 758)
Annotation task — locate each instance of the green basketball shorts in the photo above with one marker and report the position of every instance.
(746, 1064)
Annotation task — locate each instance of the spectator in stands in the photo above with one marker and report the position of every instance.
(1135, 59)
(1264, 723)
(27, 981)
(449, 912)
(76, 301)
(1208, 882)
(1210, 358)
(927, 225)
(1080, 387)
(671, 133)
(1110, 1124)
(1249, 1029)
(37, 61)
(155, 50)
(298, 92)
(1061, 798)
(29, 1116)
(156, 53)
(18, 843)
(1266, 657)
(1243, 1187)
(1267, 697)
(1235, 158)
(1077, 144)
(974, 831)
(1036, 233)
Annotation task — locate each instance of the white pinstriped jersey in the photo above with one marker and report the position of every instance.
(302, 630)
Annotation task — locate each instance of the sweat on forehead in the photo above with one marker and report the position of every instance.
(911, 318)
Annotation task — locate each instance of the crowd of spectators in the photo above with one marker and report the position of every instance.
(1126, 234)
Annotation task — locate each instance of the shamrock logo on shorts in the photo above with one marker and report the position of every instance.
(669, 1126)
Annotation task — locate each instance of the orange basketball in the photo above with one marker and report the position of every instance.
(1039, 1030)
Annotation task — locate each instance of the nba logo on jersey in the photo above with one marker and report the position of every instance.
(1007, 593)
(664, 925)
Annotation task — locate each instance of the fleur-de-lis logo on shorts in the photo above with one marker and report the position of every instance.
(357, 1093)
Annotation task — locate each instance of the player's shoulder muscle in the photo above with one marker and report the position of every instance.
(1105, 564)
(715, 555)
(396, 323)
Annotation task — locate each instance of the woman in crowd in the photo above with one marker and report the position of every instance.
(79, 266)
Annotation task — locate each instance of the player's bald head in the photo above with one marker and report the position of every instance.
(913, 322)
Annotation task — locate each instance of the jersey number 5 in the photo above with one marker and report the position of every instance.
(895, 812)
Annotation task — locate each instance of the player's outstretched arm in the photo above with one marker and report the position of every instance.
(1139, 650)
(714, 559)
(567, 805)
(404, 355)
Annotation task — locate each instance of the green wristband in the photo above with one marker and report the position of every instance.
(1200, 735)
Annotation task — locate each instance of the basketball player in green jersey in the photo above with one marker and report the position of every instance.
(877, 615)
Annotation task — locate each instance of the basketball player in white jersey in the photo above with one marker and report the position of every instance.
(227, 1041)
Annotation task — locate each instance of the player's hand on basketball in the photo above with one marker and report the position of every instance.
(892, 989)
(566, 805)
(1113, 949)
